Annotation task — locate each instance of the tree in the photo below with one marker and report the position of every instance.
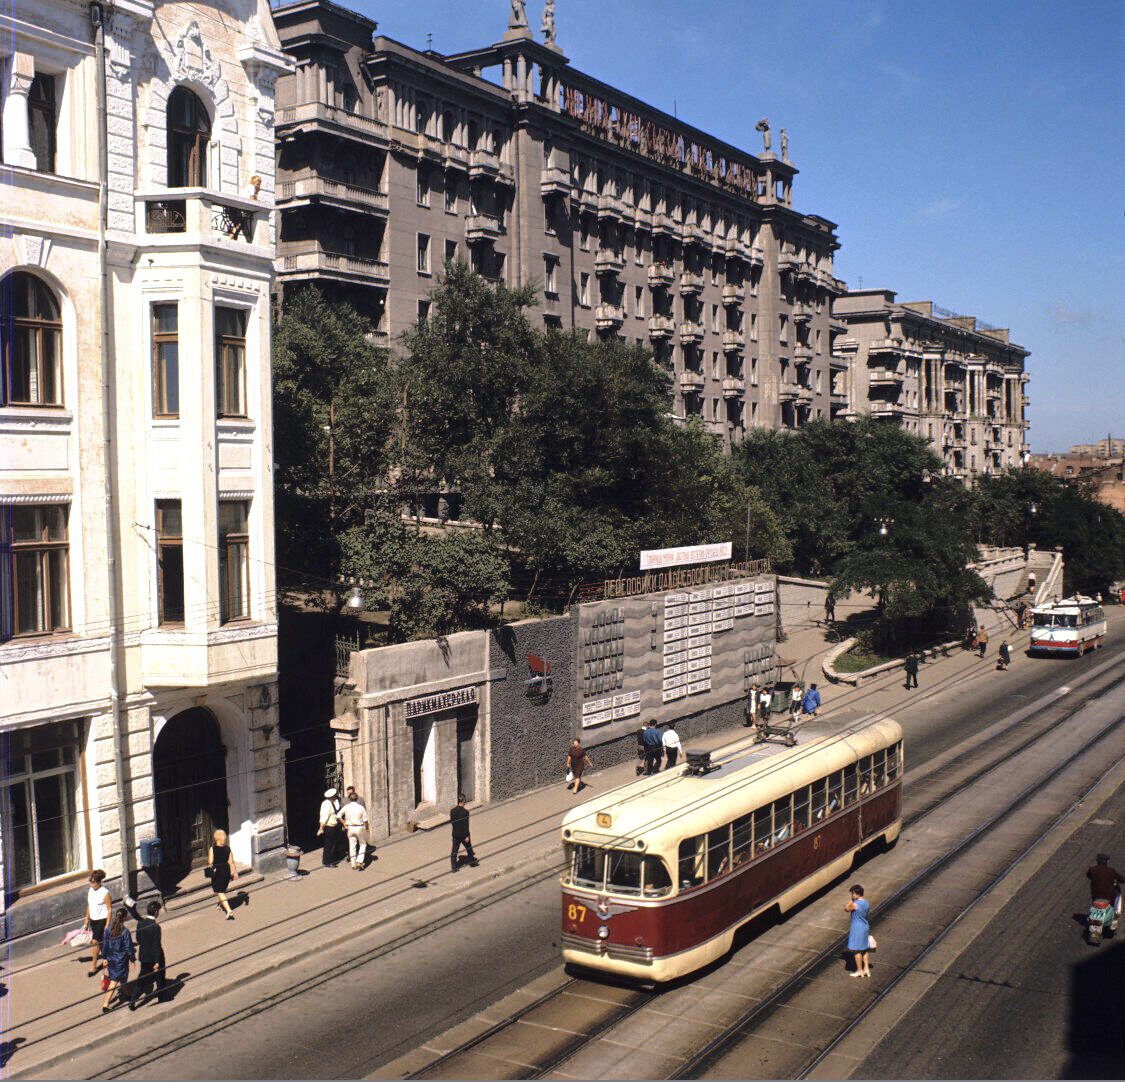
(333, 410)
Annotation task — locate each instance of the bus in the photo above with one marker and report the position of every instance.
(1071, 626)
(661, 873)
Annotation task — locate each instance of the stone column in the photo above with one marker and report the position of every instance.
(17, 132)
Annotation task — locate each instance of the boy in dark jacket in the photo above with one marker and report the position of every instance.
(150, 949)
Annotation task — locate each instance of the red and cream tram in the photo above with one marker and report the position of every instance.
(662, 872)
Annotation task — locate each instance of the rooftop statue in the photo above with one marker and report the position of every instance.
(547, 28)
(784, 145)
(518, 21)
(763, 126)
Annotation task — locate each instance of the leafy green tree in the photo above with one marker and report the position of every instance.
(333, 409)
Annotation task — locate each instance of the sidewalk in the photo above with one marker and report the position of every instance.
(50, 1007)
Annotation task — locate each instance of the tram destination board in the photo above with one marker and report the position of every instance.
(668, 655)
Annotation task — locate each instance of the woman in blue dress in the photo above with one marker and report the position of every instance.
(118, 951)
(859, 933)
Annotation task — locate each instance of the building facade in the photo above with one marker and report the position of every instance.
(393, 160)
(137, 600)
(950, 379)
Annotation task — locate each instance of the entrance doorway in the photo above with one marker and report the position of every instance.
(466, 756)
(425, 761)
(189, 766)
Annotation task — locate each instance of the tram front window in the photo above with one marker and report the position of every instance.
(624, 873)
(589, 867)
(657, 880)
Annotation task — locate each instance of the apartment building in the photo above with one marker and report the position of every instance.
(951, 379)
(137, 601)
(393, 160)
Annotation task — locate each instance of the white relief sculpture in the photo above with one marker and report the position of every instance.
(192, 59)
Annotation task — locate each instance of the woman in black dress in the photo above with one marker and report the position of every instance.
(221, 861)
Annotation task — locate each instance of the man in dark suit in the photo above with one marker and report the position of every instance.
(459, 821)
(150, 949)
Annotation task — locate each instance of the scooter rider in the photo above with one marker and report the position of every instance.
(1105, 882)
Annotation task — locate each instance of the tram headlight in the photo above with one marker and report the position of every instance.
(603, 931)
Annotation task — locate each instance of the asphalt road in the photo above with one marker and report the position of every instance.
(372, 1012)
(1029, 998)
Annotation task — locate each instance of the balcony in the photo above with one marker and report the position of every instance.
(733, 386)
(787, 264)
(587, 200)
(307, 259)
(1025, 401)
(691, 333)
(691, 381)
(802, 315)
(690, 284)
(661, 327)
(837, 325)
(757, 258)
(839, 398)
(660, 276)
(886, 345)
(695, 234)
(663, 224)
(482, 227)
(174, 217)
(607, 261)
(608, 317)
(882, 408)
(805, 273)
(733, 341)
(838, 363)
(802, 353)
(885, 377)
(303, 190)
(804, 394)
(554, 180)
(316, 116)
(610, 208)
(483, 164)
(734, 293)
(455, 158)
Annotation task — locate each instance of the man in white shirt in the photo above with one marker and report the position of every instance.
(752, 712)
(672, 746)
(330, 829)
(354, 816)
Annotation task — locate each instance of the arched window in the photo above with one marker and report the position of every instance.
(448, 128)
(31, 340)
(189, 133)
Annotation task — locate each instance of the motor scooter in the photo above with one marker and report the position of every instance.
(1101, 919)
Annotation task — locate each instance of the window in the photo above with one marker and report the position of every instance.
(169, 562)
(718, 852)
(657, 880)
(189, 134)
(42, 120)
(450, 251)
(742, 837)
(31, 339)
(230, 362)
(423, 253)
(865, 781)
(165, 360)
(584, 289)
(639, 301)
(894, 757)
(835, 791)
(451, 194)
(42, 838)
(423, 186)
(819, 793)
(782, 820)
(234, 561)
(423, 311)
(692, 854)
(763, 830)
(851, 783)
(624, 873)
(588, 869)
(34, 571)
(550, 271)
(783, 335)
(800, 810)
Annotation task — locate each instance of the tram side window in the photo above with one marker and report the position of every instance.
(819, 798)
(718, 852)
(742, 838)
(657, 880)
(893, 754)
(624, 873)
(835, 791)
(589, 866)
(865, 775)
(879, 768)
(692, 853)
(782, 819)
(851, 778)
(763, 829)
(800, 809)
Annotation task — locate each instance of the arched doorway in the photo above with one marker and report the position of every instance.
(190, 790)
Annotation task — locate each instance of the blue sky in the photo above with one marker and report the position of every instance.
(970, 151)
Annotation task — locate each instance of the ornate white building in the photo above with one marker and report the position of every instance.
(138, 672)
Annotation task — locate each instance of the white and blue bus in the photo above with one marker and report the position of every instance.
(1070, 626)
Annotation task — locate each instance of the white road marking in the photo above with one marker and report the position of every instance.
(1064, 690)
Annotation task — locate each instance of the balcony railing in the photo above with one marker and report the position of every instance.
(610, 208)
(690, 283)
(802, 353)
(607, 261)
(885, 377)
(886, 345)
(804, 394)
(482, 227)
(733, 386)
(734, 293)
(691, 381)
(691, 333)
(310, 258)
(661, 327)
(608, 317)
(787, 390)
(697, 235)
(335, 191)
(660, 275)
(802, 315)
(757, 257)
(198, 215)
(483, 163)
(880, 407)
(554, 180)
(332, 119)
(664, 224)
(733, 341)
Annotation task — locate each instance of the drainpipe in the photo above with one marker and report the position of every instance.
(97, 22)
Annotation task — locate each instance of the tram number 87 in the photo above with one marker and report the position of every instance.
(576, 912)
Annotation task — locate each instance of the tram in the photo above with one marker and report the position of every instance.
(1073, 625)
(661, 873)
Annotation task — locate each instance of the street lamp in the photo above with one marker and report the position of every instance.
(355, 598)
(885, 525)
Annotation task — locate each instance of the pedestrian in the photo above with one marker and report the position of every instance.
(98, 906)
(220, 864)
(350, 794)
(119, 951)
(859, 931)
(654, 747)
(982, 640)
(354, 817)
(752, 709)
(459, 821)
(640, 752)
(1031, 582)
(810, 704)
(672, 746)
(150, 947)
(829, 609)
(911, 667)
(576, 762)
(765, 701)
(1004, 658)
(796, 694)
(330, 829)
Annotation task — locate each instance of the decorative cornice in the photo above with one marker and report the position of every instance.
(34, 499)
(70, 646)
(236, 494)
